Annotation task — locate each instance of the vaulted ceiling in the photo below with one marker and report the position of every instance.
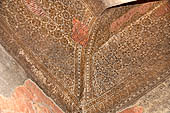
(85, 57)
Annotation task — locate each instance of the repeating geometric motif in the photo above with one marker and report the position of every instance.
(86, 62)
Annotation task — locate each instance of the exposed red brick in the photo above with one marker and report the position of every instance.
(136, 109)
(34, 7)
(80, 32)
(128, 16)
(28, 99)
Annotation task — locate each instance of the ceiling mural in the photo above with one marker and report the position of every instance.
(87, 57)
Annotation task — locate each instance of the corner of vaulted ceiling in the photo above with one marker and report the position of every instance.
(98, 6)
(111, 3)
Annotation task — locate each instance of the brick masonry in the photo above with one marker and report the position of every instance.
(28, 98)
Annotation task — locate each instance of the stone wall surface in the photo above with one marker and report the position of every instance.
(28, 98)
(11, 73)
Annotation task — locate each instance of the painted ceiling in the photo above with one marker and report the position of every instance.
(87, 58)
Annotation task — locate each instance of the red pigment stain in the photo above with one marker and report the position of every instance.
(33, 7)
(128, 16)
(28, 99)
(80, 32)
(136, 109)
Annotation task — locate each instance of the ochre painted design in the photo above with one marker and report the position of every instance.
(28, 99)
(34, 7)
(136, 109)
(114, 70)
(80, 32)
(129, 15)
(161, 11)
